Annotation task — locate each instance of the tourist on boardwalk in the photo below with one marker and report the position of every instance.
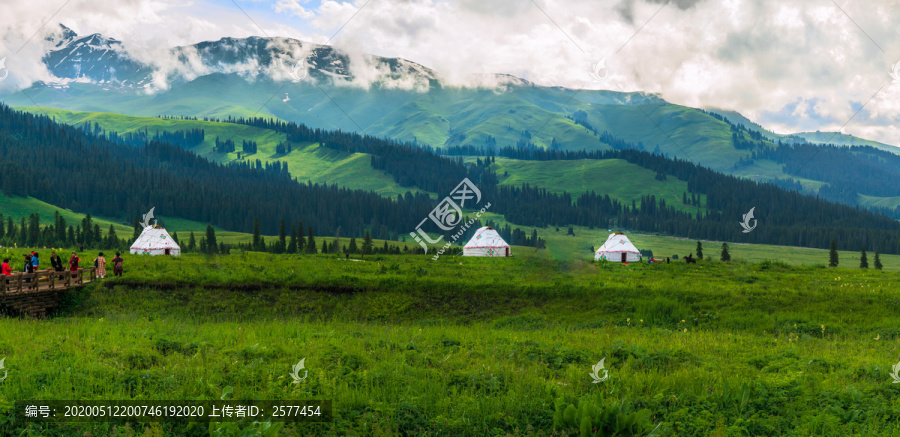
(73, 263)
(118, 266)
(56, 262)
(35, 261)
(29, 268)
(100, 264)
(5, 270)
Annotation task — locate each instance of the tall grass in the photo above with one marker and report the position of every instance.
(407, 346)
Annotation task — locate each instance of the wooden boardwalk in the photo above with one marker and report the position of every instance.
(37, 293)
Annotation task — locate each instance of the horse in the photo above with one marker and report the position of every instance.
(690, 259)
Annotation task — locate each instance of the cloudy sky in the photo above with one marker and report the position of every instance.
(791, 65)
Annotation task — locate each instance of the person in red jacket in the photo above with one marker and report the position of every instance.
(5, 270)
(73, 264)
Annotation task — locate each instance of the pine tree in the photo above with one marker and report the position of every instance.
(878, 264)
(23, 232)
(292, 243)
(301, 238)
(699, 250)
(192, 243)
(282, 240)
(112, 241)
(833, 255)
(336, 243)
(175, 238)
(367, 243)
(324, 246)
(60, 229)
(34, 230)
(863, 260)
(257, 239)
(137, 227)
(211, 245)
(725, 255)
(311, 242)
(97, 238)
(352, 248)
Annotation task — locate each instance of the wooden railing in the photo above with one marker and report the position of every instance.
(44, 280)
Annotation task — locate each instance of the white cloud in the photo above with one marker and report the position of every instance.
(790, 64)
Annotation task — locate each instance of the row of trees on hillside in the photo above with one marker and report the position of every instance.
(30, 233)
(87, 173)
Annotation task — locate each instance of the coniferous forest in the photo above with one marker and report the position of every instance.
(92, 174)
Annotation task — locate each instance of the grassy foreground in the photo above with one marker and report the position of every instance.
(408, 346)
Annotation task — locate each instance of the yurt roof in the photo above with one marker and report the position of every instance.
(485, 237)
(155, 238)
(618, 242)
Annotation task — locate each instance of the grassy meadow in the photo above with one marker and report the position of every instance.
(461, 346)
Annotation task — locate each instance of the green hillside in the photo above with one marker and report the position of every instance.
(306, 162)
(842, 139)
(441, 116)
(619, 179)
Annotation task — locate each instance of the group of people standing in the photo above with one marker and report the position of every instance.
(33, 262)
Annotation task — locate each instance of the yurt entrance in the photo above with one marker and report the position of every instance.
(507, 251)
(624, 256)
(167, 252)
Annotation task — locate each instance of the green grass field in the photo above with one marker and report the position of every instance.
(460, 346)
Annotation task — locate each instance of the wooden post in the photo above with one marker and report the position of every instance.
(19, 283)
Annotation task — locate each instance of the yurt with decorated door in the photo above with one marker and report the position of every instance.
(486, 242)
(154, 240)
(618, 248)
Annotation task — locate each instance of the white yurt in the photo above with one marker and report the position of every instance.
(486, 242)
(618, 248)
(154, 240)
